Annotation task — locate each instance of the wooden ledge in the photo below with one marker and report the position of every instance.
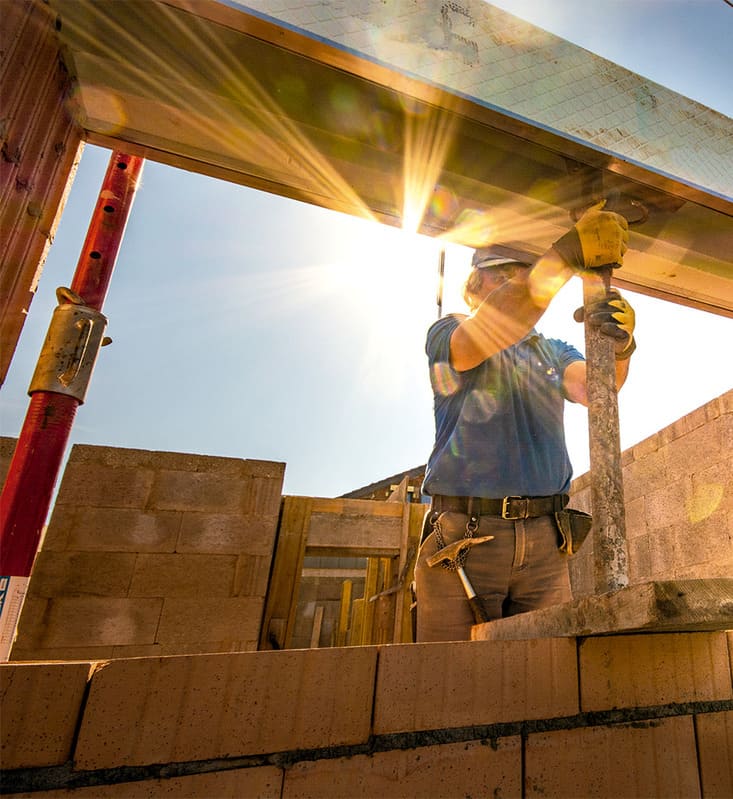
(660, 606)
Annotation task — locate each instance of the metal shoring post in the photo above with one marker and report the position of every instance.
(36, 462)
(610, 559)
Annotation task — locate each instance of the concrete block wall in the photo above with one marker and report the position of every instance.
(678, 495)
(617, 716)
(152, 553)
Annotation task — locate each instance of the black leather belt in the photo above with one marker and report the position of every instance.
(505, 508)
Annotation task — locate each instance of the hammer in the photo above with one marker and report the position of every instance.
(450, 555)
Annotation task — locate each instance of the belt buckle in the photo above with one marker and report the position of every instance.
(505, 510)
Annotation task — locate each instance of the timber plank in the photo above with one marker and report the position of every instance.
(371, 534)
(282, 593)
(659, 606)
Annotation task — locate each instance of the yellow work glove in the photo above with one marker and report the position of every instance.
(598, 238)
(616, 318)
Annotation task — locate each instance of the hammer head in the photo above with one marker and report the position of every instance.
(451, 553)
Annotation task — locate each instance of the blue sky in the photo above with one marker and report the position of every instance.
(250, 326)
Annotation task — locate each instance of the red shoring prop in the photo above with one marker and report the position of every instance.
(36, 463)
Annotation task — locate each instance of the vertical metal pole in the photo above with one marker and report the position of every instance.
(607, 496)
(36, 463)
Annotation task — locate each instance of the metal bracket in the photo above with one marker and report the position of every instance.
(69, 352)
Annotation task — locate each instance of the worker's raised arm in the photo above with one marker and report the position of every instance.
(507, 302)
(510, 308)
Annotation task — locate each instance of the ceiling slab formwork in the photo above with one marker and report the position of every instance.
(454, 119)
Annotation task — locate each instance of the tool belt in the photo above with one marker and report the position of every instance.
(574, 526)
(511, 508)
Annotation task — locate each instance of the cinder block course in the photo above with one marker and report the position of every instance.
(41, 704)
(227, 533)
(715, 747)
(451, 770)
(646, 759)
(653, 669)
(123, 530)
(85, 484)
(57, 574)
(89, 620)
(176, 709)
(196, 491)
(457, 684)
(200, 620)
(183, 575)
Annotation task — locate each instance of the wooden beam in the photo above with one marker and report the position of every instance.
(661, 606)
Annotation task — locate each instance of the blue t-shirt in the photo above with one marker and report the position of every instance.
(499, 426)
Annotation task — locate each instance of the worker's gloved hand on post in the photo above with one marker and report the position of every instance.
(598, 238)
(616, 318)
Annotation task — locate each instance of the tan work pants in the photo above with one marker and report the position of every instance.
(521, 569)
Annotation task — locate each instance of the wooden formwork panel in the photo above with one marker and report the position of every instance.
(386, 534)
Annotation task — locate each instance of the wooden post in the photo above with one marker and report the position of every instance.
(342, 629)
(607, 496)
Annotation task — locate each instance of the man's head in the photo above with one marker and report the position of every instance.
(490, 267)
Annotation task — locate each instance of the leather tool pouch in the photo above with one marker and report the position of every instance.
(574, 526)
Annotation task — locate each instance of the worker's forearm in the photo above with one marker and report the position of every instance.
(508, 313)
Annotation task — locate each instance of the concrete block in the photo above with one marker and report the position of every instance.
(644, 476)
(196, 491)
(124, 530)
(711, 489)
(58, 574)
(636, 524)
(88, 484)
(252, 575)
(41, 704)
(662, 556)
(646, 448)
(639, 560)
(31, 624)
(262, 495)
(183, 575)
(197, 707)
(451, 770)
(709, 540)
(227, 533)
(263, 782)
(653, 669)
(457, 684)
(60, 526)
(646, 759)
(715, 751)
(185, 620)
(94, 621)
(666, 505)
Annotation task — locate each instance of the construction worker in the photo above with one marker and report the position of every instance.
(499, 466)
